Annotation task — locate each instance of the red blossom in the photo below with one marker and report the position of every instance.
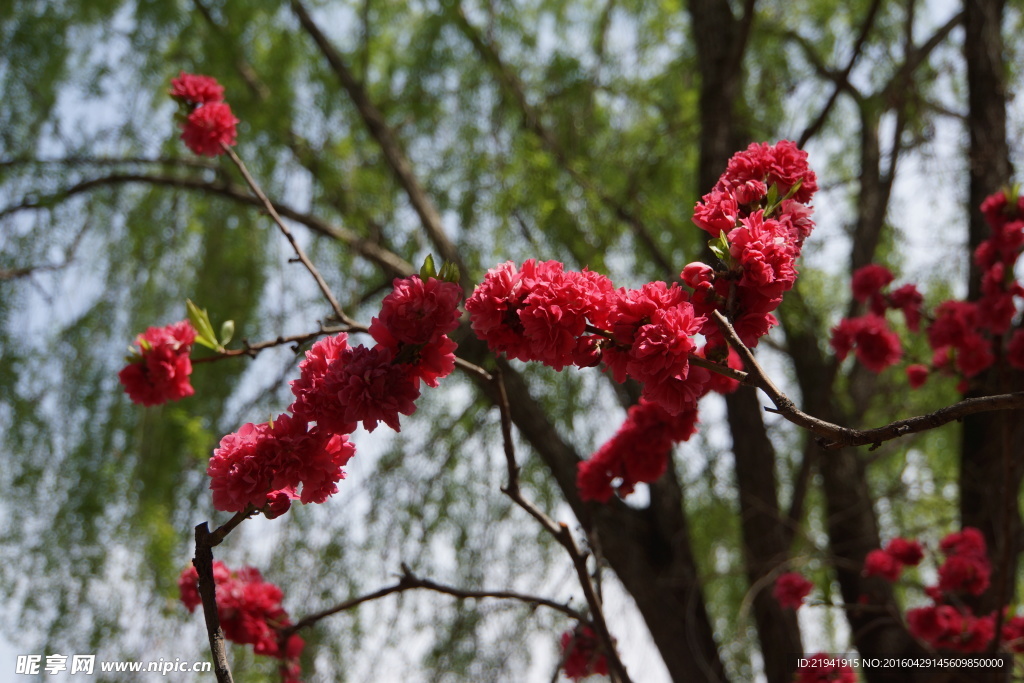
(249, 610)
(314, 402)
(908, 300)
(160, 370)
(581, 654)
(882, 564)
(195, 89)
(877, 347)
(1013, 634)
(259, 464)
(418, 311)
(905, 550)
(869, 280)
(371, 388)
(967, 568)
(638, 452)
(944, 627)
(917, 375)
(208, 128)
(791, 589)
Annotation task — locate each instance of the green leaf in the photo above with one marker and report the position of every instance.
(449, 272)
(200, 320)
(428, 269)
(227, 331)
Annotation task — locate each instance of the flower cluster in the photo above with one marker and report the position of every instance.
(207, 122)
(947, 624)
(790, 590)
(250, 613)
(640, 450)
(759, 214)
(581, 654)
(876, 345)
(966, 337)
(888, 563)
(825, 668)
(541, 312)
(159, 370)
(340, 387)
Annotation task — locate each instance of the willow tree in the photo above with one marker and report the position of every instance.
(582, 132)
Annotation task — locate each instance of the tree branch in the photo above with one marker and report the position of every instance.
(560, 532)
(409, 581)
(532, 121)
(386, 138)
(371, 251)
(269, 207)
(203, 562)
(841, 79)
(834, 436)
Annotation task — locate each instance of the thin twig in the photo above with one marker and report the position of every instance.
(203, 562)
(560, 532)
(251, 182)
(389, 261)
(252, 350)
(833, 436)
(409, 581)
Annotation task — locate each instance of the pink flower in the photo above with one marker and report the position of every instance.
(882, 564)
(314, 402)
(791, 589)
(906, 551)
(825, 669)
(638, 452)
(944, 627)
(209, 127)
(877, 347)
(195, 89)
(581, 654)
(969, 542)
(160, 370)
(249, 610)
(917, 375)
(783, 165)
(967, 568)
(418, 311)
(260, 464)
(1013, 634)
(370, 387)
(908, 300)
(869, 281)
(717, 212)
(964, 574)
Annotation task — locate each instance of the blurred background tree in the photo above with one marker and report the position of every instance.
(577, 130)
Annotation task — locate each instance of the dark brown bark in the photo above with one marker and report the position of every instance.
(721, 42)
(649, 550)
(990, 476)
(765, 542)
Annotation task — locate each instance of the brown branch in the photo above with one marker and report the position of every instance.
(834, 436)
(841, 80)
(371, 251)
(269, 207)
(69, 257)
(533, 121)
(203, 562)
(409, 581)
(252, 350)
(560, 532)
(386, 138)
